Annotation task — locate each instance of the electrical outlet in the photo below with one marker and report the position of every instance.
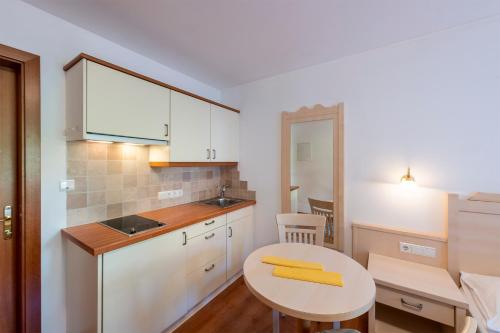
(418, 250)
(179, 193)
(67, 185)
(405, 247)
(163, 195)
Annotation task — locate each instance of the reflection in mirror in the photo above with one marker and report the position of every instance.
(311, 171)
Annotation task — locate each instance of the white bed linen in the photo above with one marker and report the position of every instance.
(483, 294)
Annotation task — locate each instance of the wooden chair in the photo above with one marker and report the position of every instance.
(470, 325)
(326, 209)
(301, 228)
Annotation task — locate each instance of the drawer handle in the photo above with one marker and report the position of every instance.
(209, 223)
(185, 238)
(413, 306)
(208, 269)
(210, 236)
(230, 232)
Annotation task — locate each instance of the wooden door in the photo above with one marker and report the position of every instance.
(144, 285)
(190, 134)
(8, 195)
(224, 134)
(124, 105)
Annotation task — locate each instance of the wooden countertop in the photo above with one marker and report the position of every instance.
(97, 239)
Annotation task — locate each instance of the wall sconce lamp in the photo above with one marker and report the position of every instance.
(408, 179)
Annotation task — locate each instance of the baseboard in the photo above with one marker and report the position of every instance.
(200, 305)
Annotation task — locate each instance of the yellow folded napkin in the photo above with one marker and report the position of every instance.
(310, 275)
(280, 261)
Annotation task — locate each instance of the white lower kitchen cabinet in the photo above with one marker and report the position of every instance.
(205, 279)
(144, 285)
(239, 239)
(150, 285)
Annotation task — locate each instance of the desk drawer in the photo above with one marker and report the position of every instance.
(205, 248)
(419, 306)
(205, 226)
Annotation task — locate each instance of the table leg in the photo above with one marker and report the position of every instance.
(459, 319)
(371, 320)
(276, 321)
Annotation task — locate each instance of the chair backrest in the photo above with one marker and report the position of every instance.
(301, 228)
(470, 325)
(326, 209)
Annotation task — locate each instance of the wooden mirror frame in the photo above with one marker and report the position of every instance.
(304, 114)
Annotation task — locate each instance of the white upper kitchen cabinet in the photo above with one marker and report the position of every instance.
(144, 285)
(224, 126)
(190, 134)
(106, 104)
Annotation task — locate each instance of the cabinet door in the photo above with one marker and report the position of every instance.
(239, 244)
(144, 285)
(190, 134)
(224, 134)
(123, 105)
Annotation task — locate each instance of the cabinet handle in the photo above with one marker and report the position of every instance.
(166, 129)
(208, 153)
(230, 232)
(209, 223)
(210, 236)
(185, 238)
(213, 153)
(210, 268)
(413, 306)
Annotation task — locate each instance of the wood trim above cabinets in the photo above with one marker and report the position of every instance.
(143, 77)
(190, 164)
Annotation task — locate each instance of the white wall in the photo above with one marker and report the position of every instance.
(315, 175)
(56, 41)
(432, 103)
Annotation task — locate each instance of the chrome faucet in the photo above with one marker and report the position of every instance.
(223, 190)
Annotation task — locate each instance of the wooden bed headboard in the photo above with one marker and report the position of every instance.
(474, 234)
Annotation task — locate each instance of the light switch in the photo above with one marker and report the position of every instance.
(67, 185)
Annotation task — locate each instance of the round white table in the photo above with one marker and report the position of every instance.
(307, 300)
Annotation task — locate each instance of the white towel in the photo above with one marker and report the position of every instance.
(486, 293)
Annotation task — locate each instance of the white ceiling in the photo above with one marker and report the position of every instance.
(229, 42)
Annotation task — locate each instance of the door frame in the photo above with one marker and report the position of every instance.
(304, 114)
(29, 264)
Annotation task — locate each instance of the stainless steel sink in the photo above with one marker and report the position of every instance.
(222, 202)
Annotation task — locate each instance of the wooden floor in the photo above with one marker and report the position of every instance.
(236, 310)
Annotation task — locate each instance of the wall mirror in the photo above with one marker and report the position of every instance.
(312, 167)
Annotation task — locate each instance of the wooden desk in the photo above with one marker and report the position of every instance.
(423, 290)
(306, 300)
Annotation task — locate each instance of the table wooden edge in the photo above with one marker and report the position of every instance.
(308, 316)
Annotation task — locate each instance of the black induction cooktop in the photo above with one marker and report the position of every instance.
(133, 224)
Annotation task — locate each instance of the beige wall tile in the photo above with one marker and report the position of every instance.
(113, 197)
(129, 167)
(97, 151)
(114, 210)
(76, 200)
(97, 167)
(76, 217)
(76, 168)
(129, 208)
(96, 213)
(129, 152)
(129, 194)
(96, 183)
(115, 152)
(80, 184)
(114, 182)
(129, 181)
(114, 167)
(96, 198)
(76, 151)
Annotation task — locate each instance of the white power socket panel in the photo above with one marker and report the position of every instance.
(67, 185)
(419, 250)
(170, 194)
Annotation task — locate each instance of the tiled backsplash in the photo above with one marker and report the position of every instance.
(113, 180)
